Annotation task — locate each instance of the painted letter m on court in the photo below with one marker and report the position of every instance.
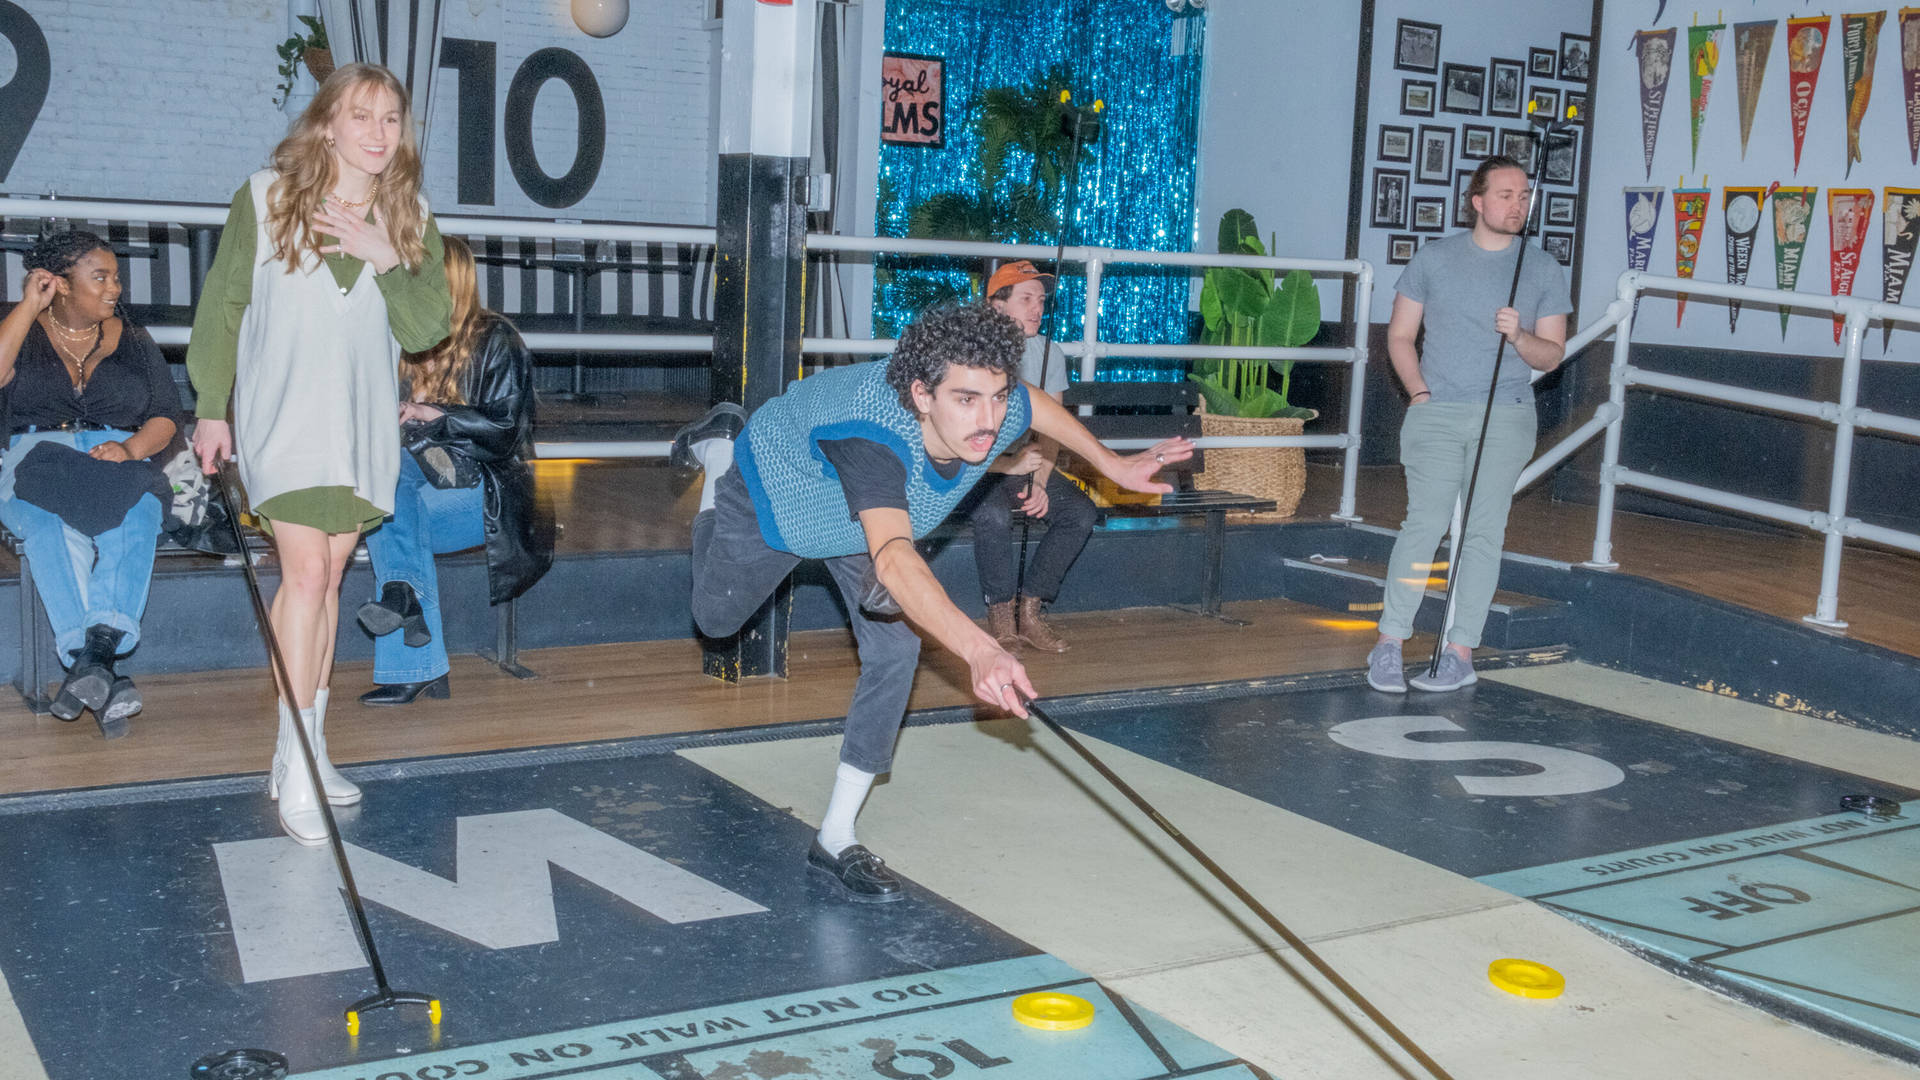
(290, 916)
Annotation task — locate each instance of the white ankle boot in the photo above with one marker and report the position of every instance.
(286, 755)
(292, 785)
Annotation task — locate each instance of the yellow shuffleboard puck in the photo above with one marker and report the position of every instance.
(1051, 1011)
(1526, 978)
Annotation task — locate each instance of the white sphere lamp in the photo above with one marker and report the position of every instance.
(600, 18)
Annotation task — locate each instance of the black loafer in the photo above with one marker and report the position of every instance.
(859, 874)
(397, 609)
(723, 421)
(403, 693)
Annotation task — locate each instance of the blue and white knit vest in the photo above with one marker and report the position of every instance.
(796, 492)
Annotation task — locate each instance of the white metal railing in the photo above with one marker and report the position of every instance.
(1845, 414)
(1089, 349)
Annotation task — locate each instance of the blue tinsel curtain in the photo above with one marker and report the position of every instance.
(1136, 186)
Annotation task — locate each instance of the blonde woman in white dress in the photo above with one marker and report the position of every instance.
(329, 267)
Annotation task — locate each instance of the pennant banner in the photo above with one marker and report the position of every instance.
(1806, 44)
(1742, 209)
(1703, 58)
(1860, 36)
(1643, 220)
(1792, 212)
(1655, 50)
(1689, 221)
(1849, 213)
(1910, 71)
(1752, 42)
(1896, 259)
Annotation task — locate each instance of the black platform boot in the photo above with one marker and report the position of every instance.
(90, 680)
(397, 609)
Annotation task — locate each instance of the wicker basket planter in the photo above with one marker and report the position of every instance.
(1271, 472)
(319, 63)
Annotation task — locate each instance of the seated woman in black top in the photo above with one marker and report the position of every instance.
(89, 403)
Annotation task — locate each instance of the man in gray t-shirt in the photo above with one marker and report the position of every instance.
(1457, 289)
(1026, 479)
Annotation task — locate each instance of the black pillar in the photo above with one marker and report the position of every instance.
(759, 275)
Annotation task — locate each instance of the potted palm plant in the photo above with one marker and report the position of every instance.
(1244, 308)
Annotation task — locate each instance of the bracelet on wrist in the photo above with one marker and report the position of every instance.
(1423, 393)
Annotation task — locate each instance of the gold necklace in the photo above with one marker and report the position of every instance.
(372, 193)
(69, 332)
(79, 366)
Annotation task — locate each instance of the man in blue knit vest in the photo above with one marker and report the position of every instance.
(852, 465)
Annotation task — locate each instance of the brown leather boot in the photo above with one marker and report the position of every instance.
(1000, 624)
(1034, 629)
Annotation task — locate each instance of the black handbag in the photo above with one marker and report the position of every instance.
(444, 468)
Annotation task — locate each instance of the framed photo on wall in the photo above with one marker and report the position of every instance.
(1576, 57)
(1559, 245)
(1416, 97)
(1506, 79)
(1429, 214)
(1476, 142)
(1463, 214)
(1434, 163)
(1562, 159)
(1463, 89)
(1416, 46)
(1545, 101)
(1561, 208)
(1400, 249)
(1396, 143)
(1542, 63)
(1389, 210)
(1577, 101)
(1517, 143)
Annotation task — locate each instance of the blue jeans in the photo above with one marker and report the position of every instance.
(88, 580)
(426, 522)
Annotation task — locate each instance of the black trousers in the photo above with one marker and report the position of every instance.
(734, 572)
(1070, 516)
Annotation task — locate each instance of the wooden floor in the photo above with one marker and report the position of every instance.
(221, 722)
(1764, 570)
(217, 723)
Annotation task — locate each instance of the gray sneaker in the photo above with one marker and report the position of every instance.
(1455, 672)
(1386, 670)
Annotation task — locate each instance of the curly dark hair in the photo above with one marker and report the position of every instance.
(971, 335)
(57, 252)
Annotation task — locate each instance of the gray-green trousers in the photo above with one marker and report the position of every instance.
(1437, 442)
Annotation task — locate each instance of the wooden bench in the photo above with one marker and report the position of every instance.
(31, 678)
(1161, 410)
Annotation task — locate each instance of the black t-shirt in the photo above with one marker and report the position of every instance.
(130, 386)
(873, 476)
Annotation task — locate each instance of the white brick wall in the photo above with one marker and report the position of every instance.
(173, 99)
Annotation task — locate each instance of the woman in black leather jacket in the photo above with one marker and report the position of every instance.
(467, 426)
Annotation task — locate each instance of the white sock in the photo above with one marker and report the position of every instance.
(715, 457)
(320, 704)
(850, 787)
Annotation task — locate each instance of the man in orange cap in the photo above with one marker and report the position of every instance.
(1019, 291)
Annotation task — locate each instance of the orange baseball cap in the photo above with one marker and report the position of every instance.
(1014, 273)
